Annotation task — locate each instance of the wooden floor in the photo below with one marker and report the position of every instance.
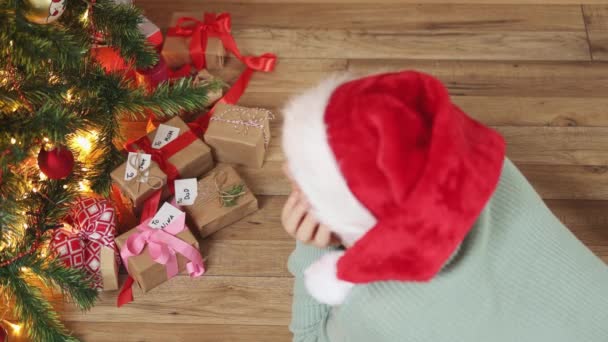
(535, 72)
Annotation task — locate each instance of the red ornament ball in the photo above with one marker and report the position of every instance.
(56, 163)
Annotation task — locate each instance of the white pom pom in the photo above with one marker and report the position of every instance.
(322, 281)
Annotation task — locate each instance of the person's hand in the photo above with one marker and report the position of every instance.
(300, 224)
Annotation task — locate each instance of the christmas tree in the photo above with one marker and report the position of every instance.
(60, 115)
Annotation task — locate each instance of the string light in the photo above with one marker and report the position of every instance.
(84, 18)
(15, 327)
(84, 186)
(43, 176)
(65, 186)
(13, 141)
(69, 95)
(45, 139)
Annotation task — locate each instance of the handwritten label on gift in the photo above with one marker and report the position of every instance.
(186, 191)
(164, 216)
(164, 135)
(133, 170)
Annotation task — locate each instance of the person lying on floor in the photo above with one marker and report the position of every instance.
(414, 226)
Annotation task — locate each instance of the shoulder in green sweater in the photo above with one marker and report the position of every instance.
(520, 275)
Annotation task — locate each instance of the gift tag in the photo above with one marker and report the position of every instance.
(164, 135)
(133, 159)
(164, 216)
(186, 191)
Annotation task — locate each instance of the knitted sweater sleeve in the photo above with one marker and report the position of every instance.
(309, 317)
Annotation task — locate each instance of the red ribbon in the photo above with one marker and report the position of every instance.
(217, 26)
(161, 156)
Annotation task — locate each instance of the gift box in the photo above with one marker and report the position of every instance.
(177, 155)
(87, 241)
(154, 254)
(190, 41)
(239, 135)
(223, 198)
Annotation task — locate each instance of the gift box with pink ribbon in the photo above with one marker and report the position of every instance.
(87, 241)
(159, 248)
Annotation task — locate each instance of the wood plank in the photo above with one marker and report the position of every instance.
(568, 181)
(557, 145)
(153, 332)
(551, 181)
(436, 44)
(395, 17)
(596, 20)
(251, 258)
(207, 299)
(535, 111)
(350, 2)
(500, 78)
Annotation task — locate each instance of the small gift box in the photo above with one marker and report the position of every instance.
(190, 41)
(159, 248)
(169, 152)
(223, 198)
(215, 91)
(87, 241)
(239, 135)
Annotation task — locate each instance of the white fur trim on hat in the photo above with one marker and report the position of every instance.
(322, 282)
(313, 165)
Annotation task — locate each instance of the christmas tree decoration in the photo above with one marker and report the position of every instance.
(44, 11)
(56, 163)
(48, 95)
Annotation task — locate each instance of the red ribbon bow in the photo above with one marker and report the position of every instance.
(161, 155)
(93, 223)
(217, 25)
(200, 31)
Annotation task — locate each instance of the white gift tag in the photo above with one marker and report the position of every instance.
(186, 191)
(164, 135)
(165, 215)
(143, 160)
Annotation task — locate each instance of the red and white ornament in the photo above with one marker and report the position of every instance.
(56, 163)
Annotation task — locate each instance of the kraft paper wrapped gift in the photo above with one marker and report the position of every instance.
(239, 135)
(176, 49)
(216, 90)
(223, 198)
(146, 271)
(192, 161)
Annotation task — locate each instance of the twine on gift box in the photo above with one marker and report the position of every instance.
(141, 176)
(246, 119)
(226, 197)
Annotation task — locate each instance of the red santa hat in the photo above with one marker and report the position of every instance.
(395, 169)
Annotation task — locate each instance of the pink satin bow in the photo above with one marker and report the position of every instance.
(163, 247)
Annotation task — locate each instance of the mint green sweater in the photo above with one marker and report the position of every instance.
(519, 276)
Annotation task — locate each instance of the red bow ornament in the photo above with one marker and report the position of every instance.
(89, 242)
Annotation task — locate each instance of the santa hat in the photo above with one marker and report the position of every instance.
(393, 167)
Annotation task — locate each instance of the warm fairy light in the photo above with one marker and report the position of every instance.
(15, 327)
(69, 95)
(53, 79)
(85, 16)
(34, 190)
(84, 186)
(26, 226)
(42, 176)
(65, 186)
(84, 144)
(13, 141)
(45, 139)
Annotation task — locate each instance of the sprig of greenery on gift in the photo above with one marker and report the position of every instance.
(229, 198)
(54, 94)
